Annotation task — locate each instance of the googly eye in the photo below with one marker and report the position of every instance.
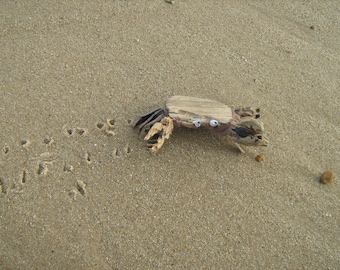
(197, 123)
(213, 123)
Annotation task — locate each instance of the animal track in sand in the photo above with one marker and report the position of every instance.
(49, 141)
(108, 127)
(76, 131)
(80, 185)
(3, 186)
(42, 170)
(68, 168)
(79, 189)
(25, 143)
(42, 159)
(88, 158)
(118, 152)
(6, 149)
(24, 177)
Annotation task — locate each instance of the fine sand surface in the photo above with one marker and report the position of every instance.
(78, 189)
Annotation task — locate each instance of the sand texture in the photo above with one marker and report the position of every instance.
(78, 190)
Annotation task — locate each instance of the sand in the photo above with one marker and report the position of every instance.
(78, 189)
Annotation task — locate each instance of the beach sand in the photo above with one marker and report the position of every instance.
(78, 188)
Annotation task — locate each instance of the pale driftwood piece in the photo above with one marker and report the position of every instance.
(204, 109)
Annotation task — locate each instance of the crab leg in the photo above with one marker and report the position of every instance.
(248, 111)
(149, 118)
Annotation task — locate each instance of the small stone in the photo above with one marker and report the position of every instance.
(312, 27)
(259, 158)
(327, 177)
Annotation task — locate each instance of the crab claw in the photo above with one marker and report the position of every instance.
(158, 133)
(249, 132)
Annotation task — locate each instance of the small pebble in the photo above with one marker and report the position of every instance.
(259, 158)
(312, 27)
(327, 177)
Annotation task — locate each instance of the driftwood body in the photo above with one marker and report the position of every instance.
(186, 110)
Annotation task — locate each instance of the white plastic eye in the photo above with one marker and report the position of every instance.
(213, 123)
(197, 123)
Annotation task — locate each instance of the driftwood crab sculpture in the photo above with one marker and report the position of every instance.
(240, 125)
